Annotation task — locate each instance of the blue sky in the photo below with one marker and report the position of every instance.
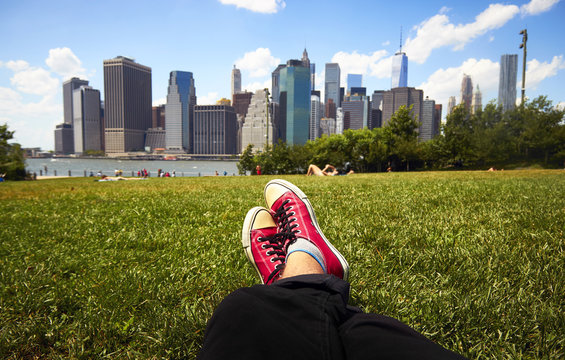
(47, 42)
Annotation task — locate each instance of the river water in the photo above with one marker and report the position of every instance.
(80, 167)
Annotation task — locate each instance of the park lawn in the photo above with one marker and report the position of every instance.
(134, 269)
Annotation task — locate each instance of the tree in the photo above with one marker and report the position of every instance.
(401, 137)
(12, 161)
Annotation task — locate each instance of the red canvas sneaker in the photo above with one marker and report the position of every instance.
(263, 244)
(294, 214)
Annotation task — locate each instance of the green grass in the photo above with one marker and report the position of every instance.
(134, 269)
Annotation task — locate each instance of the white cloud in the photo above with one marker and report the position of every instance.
(386, 43)
(537, 71)
(367, 65)
(258, 63)
(447, 82)
(257, 85)
(437, 31)
(536, 7)
(15, 66)
(65, 63)
(208, 99)
(35, 81)
(560, 106)
(260, 6)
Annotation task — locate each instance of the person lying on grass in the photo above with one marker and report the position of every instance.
(329, 170)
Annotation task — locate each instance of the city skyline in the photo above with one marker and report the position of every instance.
(442, 40)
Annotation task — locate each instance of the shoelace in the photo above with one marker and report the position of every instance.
(285, 223)
(276, 244)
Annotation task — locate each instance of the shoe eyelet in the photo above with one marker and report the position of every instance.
(263, 246)
(292, 213)
(272, 260)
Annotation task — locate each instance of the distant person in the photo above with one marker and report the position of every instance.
(258, 169)
(225, 173)
(2, 177)
(301, 310)
(217, 173)
(329, 170)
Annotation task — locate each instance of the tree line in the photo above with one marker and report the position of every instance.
(533, 134)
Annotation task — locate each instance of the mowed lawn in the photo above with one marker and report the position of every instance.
(134, 269)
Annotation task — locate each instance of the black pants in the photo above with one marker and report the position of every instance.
(307, 317)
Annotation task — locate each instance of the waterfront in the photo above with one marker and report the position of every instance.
(80, 167)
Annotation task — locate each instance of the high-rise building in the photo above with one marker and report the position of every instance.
(68, 87)
(332, 84)
(235, 81)
(327, 126)
(402, 96)
(295, 101)
(181, 99)
(467, 92)
(86, 120)
(507, 81)
(158, 117)
(330, 109)
(312, 67)
(215, 130)
(241, 102)
(315, 115)
(451, 104)
(399, 70)
(64, 144)
(127, 101)
(477, 100)
(356, 111)
(275, 83)
(425, 131)
(354, 80)
(256, 130)
(436, 129)
(339, 121)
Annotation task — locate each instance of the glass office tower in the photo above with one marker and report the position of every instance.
(295, 101)
(179, 111)
(399, 70)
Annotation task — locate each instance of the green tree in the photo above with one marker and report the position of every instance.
(12, 162)
(401, 137)
(246, 161)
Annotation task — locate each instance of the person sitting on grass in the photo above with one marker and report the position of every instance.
(329, 170)
(301, 309)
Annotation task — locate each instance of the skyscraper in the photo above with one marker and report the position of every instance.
(426, 129)
(312, 67)
(354, 80)
(356, 111)
(315, 115)
(181, 98)
(467, 92)
(235, 81)
(477, 100)
(127, 101)
(68, 87)
(451, 104)
(86, 120)
(403, 96)
(295, 101)
(332, 84)
(507, 81)
(215, 130)
(255, 129)
(275, 83)
(399, 70)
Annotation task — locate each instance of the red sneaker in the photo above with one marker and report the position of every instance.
(262, 244)
(293, 213)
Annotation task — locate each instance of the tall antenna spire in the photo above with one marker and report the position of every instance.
(400, 38)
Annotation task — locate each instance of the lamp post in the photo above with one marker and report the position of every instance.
(524, 34)
(267, 102)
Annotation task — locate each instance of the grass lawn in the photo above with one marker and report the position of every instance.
(134, 269)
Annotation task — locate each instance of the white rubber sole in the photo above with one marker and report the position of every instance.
(304, 198)
(246, 236)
